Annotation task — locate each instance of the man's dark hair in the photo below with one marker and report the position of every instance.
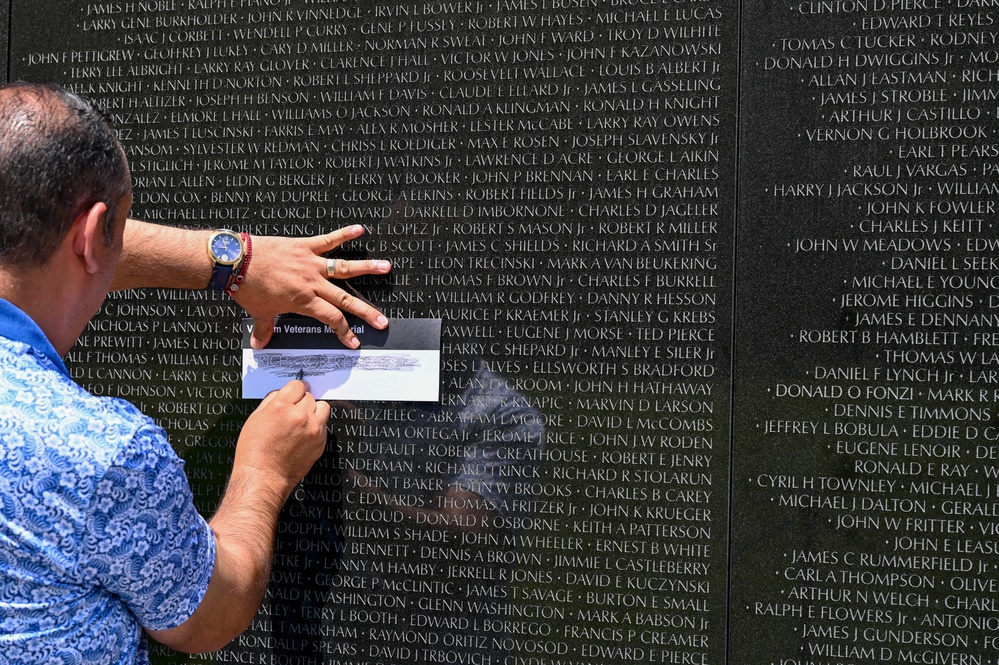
(59, 155)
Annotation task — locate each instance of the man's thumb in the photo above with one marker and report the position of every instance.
(263, 330)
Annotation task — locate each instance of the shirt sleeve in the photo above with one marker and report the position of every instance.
(144, 540)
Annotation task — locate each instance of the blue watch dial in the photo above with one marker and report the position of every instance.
(226, 248)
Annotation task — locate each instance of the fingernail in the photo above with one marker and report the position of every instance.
(383, 265)
(381, 321)
(353, 343)
(356, 228)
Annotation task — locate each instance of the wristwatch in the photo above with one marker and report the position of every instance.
(226, 251)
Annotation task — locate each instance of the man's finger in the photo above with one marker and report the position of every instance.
(330, 241)
(263, 330)
(295, 391)
(329, 314)
(344, 269)
(323, 410)
(343, 301)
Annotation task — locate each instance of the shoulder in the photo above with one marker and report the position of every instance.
(49, 416)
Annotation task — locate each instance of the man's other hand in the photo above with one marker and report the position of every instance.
(289, 275)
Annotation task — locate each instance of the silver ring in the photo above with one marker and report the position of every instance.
(330, 268)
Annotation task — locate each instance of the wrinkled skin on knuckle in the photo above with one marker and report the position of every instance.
(343, 300)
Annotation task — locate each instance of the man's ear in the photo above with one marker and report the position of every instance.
(88, 230)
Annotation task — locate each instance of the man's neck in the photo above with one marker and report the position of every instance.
(51, 303)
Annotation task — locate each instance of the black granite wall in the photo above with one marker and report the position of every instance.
(718, 288)
(4, 35)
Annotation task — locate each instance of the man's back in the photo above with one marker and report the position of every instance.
(96, 527)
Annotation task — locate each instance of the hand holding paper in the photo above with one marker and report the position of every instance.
(401, 363)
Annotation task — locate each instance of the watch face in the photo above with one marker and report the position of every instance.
(226, 248)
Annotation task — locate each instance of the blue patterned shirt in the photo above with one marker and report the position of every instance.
(98, 533)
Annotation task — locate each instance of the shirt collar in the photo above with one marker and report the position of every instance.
(18, 326)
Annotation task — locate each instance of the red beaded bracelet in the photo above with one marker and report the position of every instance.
(238, 275)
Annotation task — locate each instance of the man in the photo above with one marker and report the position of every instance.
(99, 541)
